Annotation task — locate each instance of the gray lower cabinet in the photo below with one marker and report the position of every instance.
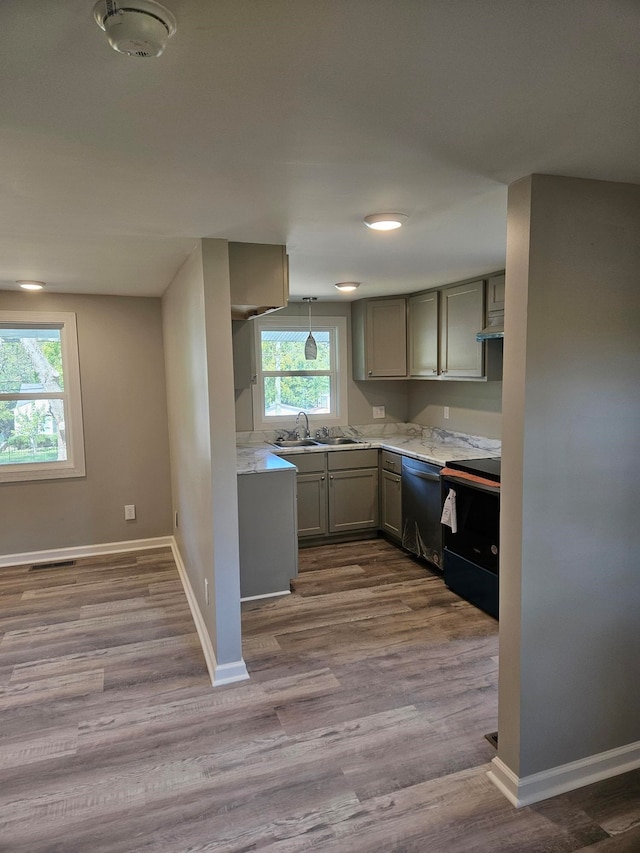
(312, 504)
(391, 504)
(337, 491)
(353, 500)
(267, 532)
(391, 494)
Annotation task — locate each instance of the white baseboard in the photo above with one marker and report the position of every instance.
(219, 673)
(266, 595)
(567, 777)
(225, 673)
(75, 552)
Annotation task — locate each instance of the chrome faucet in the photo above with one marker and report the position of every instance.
(306, 433)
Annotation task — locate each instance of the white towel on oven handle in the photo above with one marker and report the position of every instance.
(449, 512)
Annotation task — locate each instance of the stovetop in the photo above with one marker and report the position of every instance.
(487, 468)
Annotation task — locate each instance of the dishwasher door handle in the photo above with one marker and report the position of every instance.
(435, 478)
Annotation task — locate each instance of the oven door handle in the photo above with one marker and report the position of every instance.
(471, 484)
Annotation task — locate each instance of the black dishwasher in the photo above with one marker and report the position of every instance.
(421, 510)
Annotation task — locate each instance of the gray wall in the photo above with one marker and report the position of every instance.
(474, 407)
(197, 336)
(570, 585)
(125, 433)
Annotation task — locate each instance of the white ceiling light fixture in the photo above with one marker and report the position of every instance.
(135, 27)
(385, 221)
(30, 285)
(347, 286)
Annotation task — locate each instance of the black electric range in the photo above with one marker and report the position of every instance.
(487, 468)
(471, 544)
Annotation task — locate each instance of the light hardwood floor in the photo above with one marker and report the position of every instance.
(361, 728)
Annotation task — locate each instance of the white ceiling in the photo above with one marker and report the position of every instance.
(287, 121)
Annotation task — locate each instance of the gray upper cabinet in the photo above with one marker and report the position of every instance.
(244, 368)
(379, 338)
(424, 326)
(495, 294)
(462, 314)
(259, 278)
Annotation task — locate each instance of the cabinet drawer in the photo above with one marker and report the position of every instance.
(391, 461)
(342, 460)
(307, 463)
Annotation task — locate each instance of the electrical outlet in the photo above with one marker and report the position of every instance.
(129, 512)
(206, 590)
(446, 413)
(378, 412)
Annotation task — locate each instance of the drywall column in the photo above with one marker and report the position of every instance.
(569, 708)
(224, 484)
(197, 341)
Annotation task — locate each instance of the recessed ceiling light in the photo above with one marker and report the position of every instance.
(385, 221)
(30, 285)
(347, 286)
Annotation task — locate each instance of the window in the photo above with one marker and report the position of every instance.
(40, 407)
(286, 383)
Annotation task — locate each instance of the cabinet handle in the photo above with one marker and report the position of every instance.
(371, 373)
(322, 478)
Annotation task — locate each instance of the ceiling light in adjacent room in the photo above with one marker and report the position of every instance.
(30, 285)
(346, 286)
(385, 221)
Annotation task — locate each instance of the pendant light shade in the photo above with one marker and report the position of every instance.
(310, 346)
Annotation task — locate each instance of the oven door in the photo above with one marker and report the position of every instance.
(471, 553)
(478, 522)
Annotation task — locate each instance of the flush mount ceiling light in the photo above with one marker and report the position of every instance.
(30, 285)
(385, 221)
(346, 286)
(135, 27)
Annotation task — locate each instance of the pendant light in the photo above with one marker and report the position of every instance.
(310, 346)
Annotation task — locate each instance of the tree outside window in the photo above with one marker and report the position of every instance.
(39, 397)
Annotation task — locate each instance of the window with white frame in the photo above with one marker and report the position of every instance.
(40, 406)
(287, 383)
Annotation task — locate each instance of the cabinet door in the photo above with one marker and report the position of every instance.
(391, 504)
(386, 337)
(312, 504)
(495, 294)
(423, 334)
(244, 369)
(259, 277)
(353, 500)
(462, 317)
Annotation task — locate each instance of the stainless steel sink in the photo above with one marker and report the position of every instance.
(294, 442)
(338, 440)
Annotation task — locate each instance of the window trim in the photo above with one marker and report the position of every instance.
(74, 464)
(338, 373)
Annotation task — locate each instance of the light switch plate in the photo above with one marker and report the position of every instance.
(378, 412)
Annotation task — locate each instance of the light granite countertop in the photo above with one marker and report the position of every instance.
(256, 455)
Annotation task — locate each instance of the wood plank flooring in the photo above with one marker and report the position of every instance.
(361, 729)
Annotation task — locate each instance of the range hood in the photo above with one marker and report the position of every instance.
(493, 329)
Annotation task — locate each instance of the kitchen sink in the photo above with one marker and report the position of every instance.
(294, 442)
(338, 440)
